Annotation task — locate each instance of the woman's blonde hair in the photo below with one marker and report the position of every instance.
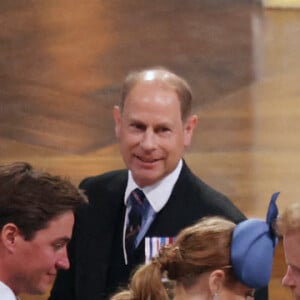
(200, 248)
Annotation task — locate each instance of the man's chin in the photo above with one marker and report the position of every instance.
(44, 287)
(38, 291)
(144, 177)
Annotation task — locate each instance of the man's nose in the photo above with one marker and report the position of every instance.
(149, 140)
(288, 279)
(63, 261)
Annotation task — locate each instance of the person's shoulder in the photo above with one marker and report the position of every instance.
(195, 183)
(104, 187)
(102, 179)
(209, 198)
(96, 185)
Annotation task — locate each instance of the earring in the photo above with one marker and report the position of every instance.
(216, 297)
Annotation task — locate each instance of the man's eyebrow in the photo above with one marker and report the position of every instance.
(62, 239)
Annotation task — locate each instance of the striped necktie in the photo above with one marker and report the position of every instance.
(138, 205)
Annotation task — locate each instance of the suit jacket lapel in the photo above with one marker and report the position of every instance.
(174, 209)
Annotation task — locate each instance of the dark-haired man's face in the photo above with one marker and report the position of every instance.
(40, 258)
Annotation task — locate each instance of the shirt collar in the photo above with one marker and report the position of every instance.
(6, 293)
(158, 193)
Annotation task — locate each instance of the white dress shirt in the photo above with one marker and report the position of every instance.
(157, 195)
(6, 293)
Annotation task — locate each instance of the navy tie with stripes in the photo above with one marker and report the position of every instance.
(138, 205)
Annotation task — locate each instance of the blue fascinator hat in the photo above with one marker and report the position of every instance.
(252, 248)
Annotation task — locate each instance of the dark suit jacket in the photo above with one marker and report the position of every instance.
(96, 257)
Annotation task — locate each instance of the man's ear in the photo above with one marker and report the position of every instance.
(9, 235)
(117, 118)
(216, 281)
(189, 127)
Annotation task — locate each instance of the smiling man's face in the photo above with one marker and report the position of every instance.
(151, 132)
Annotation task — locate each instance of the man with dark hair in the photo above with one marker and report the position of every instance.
(36, 221)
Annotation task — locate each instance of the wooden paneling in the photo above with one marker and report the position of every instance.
(62, 65)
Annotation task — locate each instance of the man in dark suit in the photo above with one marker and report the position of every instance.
(154, 125)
